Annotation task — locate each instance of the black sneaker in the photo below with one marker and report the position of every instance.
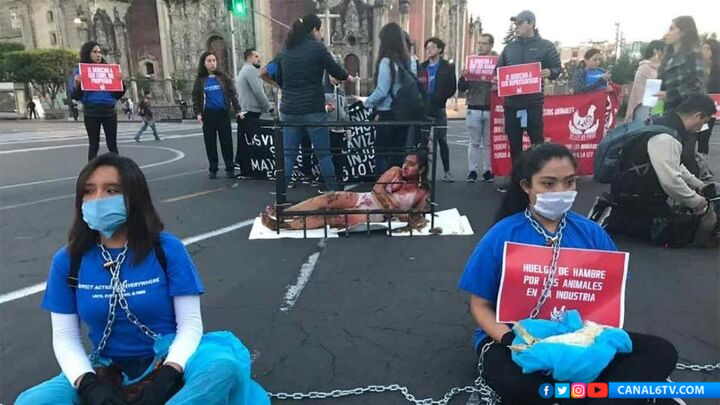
(230, 174)
(472, 177)
(212, 175)
(488, 177)
(290, 185)
(502, 189)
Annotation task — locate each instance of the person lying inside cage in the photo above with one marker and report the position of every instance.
(403, 188)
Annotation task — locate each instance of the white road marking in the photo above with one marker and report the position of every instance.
(40, 287)
(192, 195)
(178, 155)
(293, 291)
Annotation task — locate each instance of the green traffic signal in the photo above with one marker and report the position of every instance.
(239, 7)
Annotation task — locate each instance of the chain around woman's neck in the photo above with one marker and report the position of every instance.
(549, 239)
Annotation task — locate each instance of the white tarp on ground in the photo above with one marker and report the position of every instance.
(448, 222)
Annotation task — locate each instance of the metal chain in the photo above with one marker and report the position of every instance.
(480, 387)
(117, 297)
(698, 368)
(553, 241)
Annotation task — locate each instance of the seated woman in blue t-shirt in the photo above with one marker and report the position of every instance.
(539, 199)
(589, 76)
(138, 292)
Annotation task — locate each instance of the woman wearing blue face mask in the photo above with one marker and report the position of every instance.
(536, 211)
(138, 292)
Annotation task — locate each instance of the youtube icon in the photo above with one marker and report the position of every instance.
(597, 390)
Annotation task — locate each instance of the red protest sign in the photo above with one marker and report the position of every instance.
(716, 98)
(480, 68)
(590, 281)
(577, 121)
(100, 77)
(519, 79)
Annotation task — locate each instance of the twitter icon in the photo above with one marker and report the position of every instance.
(562, 390)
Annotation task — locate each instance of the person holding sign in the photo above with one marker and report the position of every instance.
(98, 105)
(478, 113)
(647, 70)
(399, 188)
(528, 47)
(536, 211)
(137, 291)
(215, 103)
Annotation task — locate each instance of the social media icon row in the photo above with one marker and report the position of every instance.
(574, 390)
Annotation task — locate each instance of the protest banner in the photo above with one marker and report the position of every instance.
(590, 281)
(521, 79)
(100, 77)
(481, 68)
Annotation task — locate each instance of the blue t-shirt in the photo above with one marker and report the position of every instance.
(484, 267)
(214, 96)
(432, 73)
(271, 69)
(592, 76)
(148, 291)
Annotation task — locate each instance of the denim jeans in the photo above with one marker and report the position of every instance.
(320, 138)
(478, 125)
(144, 126)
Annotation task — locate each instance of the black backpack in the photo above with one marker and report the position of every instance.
(75, 261)
(411, 103)
(610, 152)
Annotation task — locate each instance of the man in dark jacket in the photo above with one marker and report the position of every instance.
(441, 85)
(528, 47)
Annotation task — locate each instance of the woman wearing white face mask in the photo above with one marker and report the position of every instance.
(536, 211)
(153, 349)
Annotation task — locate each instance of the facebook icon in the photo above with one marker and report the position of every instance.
(546, 390)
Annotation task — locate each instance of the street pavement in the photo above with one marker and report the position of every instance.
(373, 311)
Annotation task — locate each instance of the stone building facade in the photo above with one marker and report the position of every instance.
(156, 42)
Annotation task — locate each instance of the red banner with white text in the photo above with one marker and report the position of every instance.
(578, 121)
(590, 281)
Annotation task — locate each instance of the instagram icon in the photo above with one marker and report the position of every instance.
(577, 390)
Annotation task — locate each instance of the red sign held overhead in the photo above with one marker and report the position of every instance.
(516, 80)
(481, 68)
(716, 97)
(100, 77)
(590, 281)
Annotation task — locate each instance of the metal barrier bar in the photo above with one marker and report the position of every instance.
(281, 186)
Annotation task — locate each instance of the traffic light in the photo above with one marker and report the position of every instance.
(237, 7)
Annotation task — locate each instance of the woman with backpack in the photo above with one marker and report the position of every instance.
(589, 76)
(98, 106)
(137, 290)
(215, 102)
(393, 61)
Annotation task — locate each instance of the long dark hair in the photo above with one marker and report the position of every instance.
(143, 222)
(589, 54)
(714, 63)
(301, 29)
(653, 46)
(202, 70)
(690, 40)
(86, 50)
(526, 166)
(392, 46)
(423, 167)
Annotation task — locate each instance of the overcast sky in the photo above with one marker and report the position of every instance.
(574, 22)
